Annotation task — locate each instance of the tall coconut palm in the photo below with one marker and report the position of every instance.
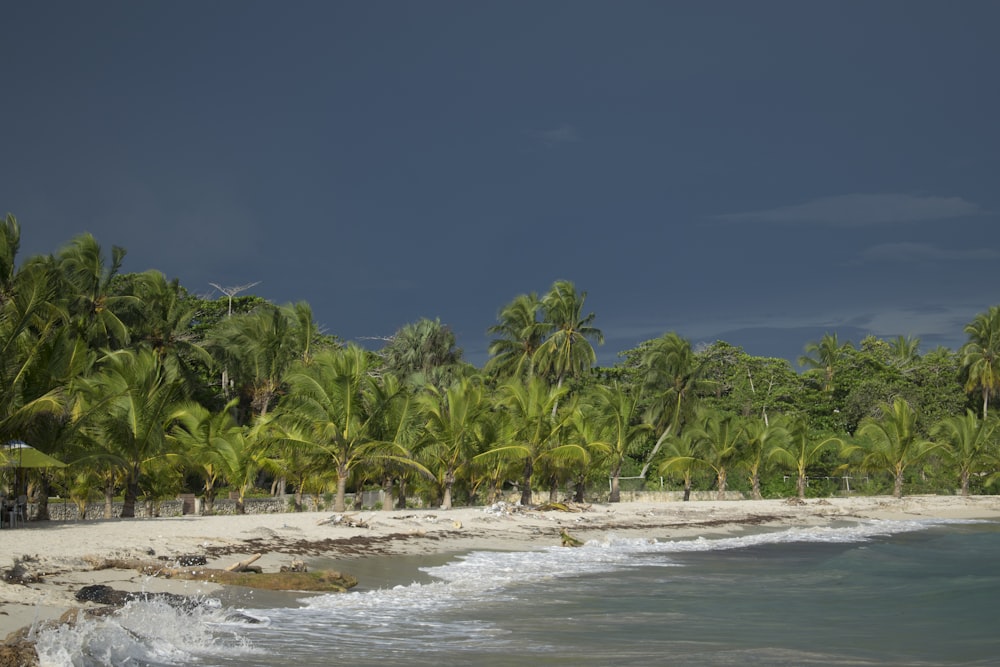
(96, 307)
(761, 438)
(682, 454)
(257, 348)
(981, 355)
(617, 413)
(801, 450)
(567, 351)
(824, 355)
(425, 349)
(452, 435)
(893, 443)
(671, 375)
(334, 398)
(533, 422)
(208, 443)
(519, 335)
(130, 399)
(721, 436)
(969, 443)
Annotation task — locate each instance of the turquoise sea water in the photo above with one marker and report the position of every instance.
(872, 593)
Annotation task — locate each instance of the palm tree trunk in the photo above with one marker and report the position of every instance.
(755, 485)
(339, 503)
(387, 489)
(616, 492)
(131, 494)
(800, 486)
(687, 488)
(722, 483)
(526, 487)
(965, 482)
(897, 489)
(109, 499)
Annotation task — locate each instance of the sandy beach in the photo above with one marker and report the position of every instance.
(59, 557)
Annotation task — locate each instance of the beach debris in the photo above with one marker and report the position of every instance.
(503, 508)
(456, 524)
(795, 500)
(296, 566)
(562, 507)
(348, 520)
(245, 565)
(568, 540)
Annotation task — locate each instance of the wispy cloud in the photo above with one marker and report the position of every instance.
(564, 134)
(923, 252)
(861, 209)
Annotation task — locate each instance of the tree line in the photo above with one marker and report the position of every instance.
(148, 391)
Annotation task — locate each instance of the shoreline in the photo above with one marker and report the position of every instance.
(61, 554)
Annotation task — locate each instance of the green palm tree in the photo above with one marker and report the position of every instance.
(10, 244)
(619, 422)
(671, 376)
(969, 443)
(208, 443)
(981, 355)
(531, 406)
(721, 437)
(801, 450)
(761, 439)
(905, 350)
(519, 335)
(129, 400)
(453, 437)
(824, 355)
(894, 444)
(334, 400)
(567, 351)
(258, 348)
(423, 351)
(682, 453)
(164, 322)
(96, 306)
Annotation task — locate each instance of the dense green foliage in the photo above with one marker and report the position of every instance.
(147, 391)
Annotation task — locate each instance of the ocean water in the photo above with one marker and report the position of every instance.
(914, 593)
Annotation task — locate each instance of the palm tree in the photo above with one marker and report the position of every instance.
(333, 399)
(905, 350)
(520, 334)
(682, 454)
(672, 374)
(617, 414)
(163, 323)
(95, 306)
(824, 355)
(258, 348)
(969, 443)
(981, 355)
(426, 349)
(893, 444)
(567, 350)
(800, 450)
(207, 442)
(452, 429)
(131, 397)
(761, 439)
(531, 406)
(721, 436)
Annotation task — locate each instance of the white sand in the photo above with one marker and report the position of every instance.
(62, 552)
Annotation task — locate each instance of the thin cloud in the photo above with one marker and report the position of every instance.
(923, 252)
(859, 209)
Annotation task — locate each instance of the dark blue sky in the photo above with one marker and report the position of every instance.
(760, 172)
